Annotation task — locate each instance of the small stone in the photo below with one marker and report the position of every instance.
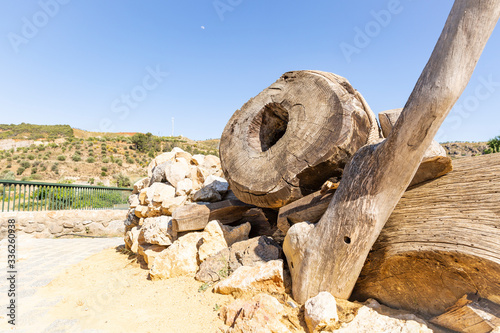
(141, 211)
(158, 173)
(55, 228)
(68, 224)
(213, 240)
(132, 239)
(214, 268)
(320, 312)
(158, 230)
(266, 278)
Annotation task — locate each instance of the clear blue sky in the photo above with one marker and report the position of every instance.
(77, 61)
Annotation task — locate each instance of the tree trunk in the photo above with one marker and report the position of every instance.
(441, 242)
(288, 140)
(332, 256)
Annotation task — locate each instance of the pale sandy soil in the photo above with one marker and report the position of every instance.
(110, 291)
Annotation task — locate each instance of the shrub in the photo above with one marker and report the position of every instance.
(36, 177)
(100, 184)
(122, 181)
(61, 158)
(43, 168)
(20, 170)
(103, 174)
(8, 166)
(130, 160)
(25, 164)
(91, 181)
(119, 162)
(8, 175)
(104, 168)
(31, 157)
(90, 160)
(105, 160)
(33, 170)
(76, 158)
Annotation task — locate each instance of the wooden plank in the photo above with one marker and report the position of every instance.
(196, 217)
(471, 314)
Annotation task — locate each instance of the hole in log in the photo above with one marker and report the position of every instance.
(347, 240)
(268, 126)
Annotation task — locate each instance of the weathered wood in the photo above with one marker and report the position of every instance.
(332, 256)
(293, 136)
(196, 217)
(441, 242)
(471, 314)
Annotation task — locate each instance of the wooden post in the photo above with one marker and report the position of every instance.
(332, 256)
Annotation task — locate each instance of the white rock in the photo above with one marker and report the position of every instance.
(320, 312)
(213, 240)
(140, 184)
(198, 159)
(158, 230)
(217, 183)
(133, 200)
(180, 259)
(184, 187)
(211, 163)
(162, 192)
(267, 278)
(176, 172)
(170, 205)
(132, 238)
(368, 320)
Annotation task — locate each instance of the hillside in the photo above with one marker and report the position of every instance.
(54, 154)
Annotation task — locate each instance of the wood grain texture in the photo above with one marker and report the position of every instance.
(471, 314)
(378, 175)
(442, 241)
(293, 136)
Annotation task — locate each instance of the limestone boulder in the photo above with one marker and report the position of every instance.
(158, 173)
(214, 268)
(131, 218)
(158, 230)
(140, 184)
(180, 259)
(161, 192)
(262, 313)
(133, 200)
(184, 187)
(213, 241)
(176, 172)
(372, 317)
(266, 278)
(197, 159)
(252, 252)
(217, 183)
(141, 211)
(295, 240)
(150, 252)
(320, 312)
(212, 164)
(132, 239)
(170, 205)
(160, 159)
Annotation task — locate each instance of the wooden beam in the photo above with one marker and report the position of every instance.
(332, 256)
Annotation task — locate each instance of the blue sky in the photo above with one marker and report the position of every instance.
(128, 66)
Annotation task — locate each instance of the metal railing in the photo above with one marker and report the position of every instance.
(36, 196)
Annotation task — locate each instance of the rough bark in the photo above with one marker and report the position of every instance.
(377, 176)
(288, 140)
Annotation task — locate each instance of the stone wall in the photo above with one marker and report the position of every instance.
(49, 224)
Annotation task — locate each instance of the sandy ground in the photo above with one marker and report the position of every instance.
(110, 292)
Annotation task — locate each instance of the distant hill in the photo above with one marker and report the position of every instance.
(60, 153)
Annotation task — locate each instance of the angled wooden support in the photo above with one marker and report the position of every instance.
(331, 256)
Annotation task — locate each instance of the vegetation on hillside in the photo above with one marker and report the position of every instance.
(35, 132)
(494, 145)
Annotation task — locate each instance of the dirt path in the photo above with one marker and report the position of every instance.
(110, 292)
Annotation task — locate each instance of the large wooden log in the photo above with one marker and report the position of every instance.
(332, 256)
(442, 241)
(288, 140)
